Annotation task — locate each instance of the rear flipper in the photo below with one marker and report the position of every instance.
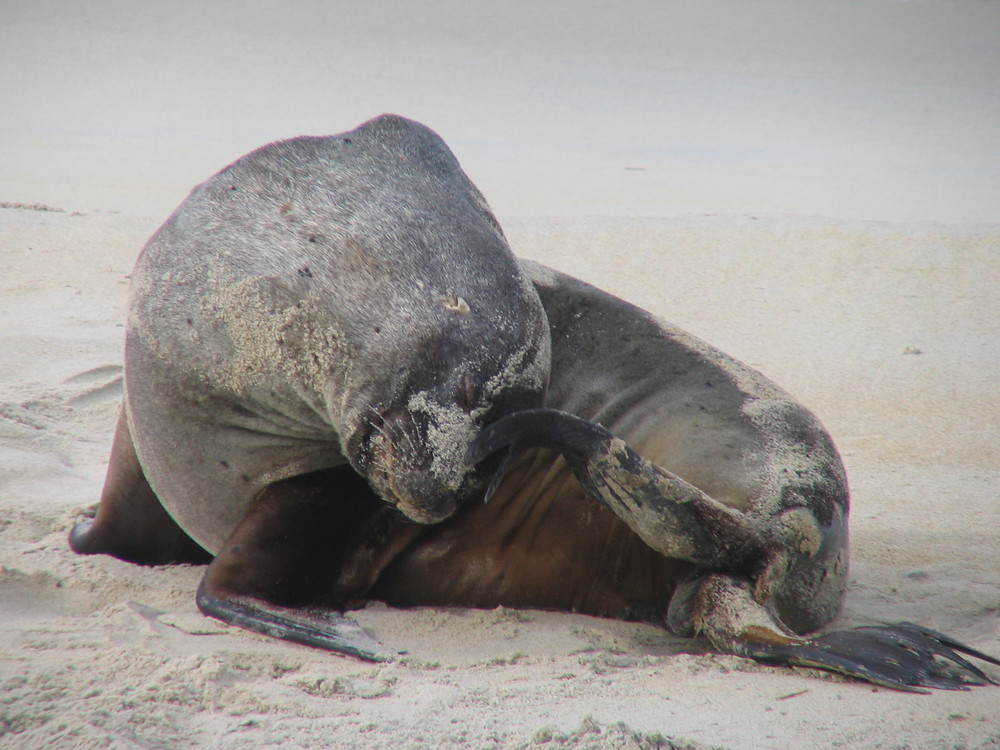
(903, 656)
(722, 609)
(733, 614)
(672, 516)
(308, 548)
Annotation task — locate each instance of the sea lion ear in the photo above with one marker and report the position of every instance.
(469, 392)
(456, 304)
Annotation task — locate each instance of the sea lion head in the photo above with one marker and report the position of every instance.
(469, 359)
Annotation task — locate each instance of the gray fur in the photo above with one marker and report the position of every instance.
(727, 438)
(312, 288)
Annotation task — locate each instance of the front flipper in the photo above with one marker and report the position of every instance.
(320, 628)
(669, 514)
(307, 548)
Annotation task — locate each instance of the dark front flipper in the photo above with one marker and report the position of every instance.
(131, 524)
(326, 629)
(904, 657)
(672, 516)
(308, 548)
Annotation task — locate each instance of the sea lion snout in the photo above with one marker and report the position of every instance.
(421, 499)
(403, 456)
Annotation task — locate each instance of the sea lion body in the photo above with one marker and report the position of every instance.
(330, 350)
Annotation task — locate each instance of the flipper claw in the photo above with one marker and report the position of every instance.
(509, 454)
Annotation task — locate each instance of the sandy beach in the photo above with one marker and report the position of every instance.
(813, 188)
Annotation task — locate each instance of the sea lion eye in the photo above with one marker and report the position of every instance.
(468, 394)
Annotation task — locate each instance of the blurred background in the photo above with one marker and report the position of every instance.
(860, 109)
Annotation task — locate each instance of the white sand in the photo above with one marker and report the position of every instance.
(813, 187)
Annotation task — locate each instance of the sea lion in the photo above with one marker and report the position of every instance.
(320, 440)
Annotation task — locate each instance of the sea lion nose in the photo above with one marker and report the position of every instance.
(422, 499)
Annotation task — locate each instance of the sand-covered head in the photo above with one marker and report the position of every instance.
(353, 291)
